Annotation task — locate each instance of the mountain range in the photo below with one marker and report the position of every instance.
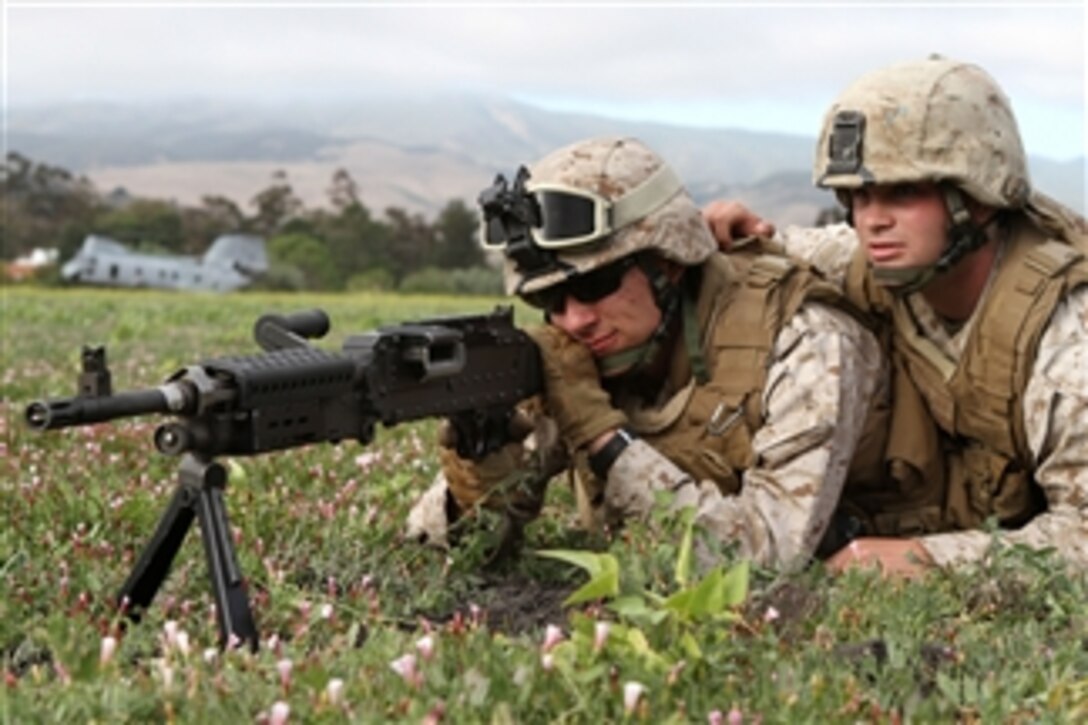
(415, 153)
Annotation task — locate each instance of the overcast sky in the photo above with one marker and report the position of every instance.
(766, 66)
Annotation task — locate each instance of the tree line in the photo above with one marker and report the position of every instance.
(341, 246)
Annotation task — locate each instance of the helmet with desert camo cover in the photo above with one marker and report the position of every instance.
(936, 120)
(931, 120)
(593, 203)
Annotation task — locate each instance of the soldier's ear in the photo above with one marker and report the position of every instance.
(980, 213)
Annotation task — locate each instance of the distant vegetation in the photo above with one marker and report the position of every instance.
(342, 246)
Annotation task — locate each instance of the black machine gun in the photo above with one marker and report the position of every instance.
(472, 369)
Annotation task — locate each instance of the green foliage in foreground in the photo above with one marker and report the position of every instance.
(359, 625)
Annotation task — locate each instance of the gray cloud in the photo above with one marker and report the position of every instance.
(776, 66)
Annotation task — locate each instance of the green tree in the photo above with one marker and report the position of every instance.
(457, 241)
(39, 203)
(276, 206)
(343, 192)
(307, 254)
(411, 242)
(144, 223)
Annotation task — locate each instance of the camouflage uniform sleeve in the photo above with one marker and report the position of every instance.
(828, 249)
(825, 373)
(1056, 423)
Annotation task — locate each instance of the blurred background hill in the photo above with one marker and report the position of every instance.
(376, 194)
(412, 153)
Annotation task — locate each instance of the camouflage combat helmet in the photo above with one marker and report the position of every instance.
(931, 120)
(638, 203)
(935, 120)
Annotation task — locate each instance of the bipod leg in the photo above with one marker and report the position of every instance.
(154, 563)
(208, 479)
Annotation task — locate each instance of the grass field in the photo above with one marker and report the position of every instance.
(359, 625)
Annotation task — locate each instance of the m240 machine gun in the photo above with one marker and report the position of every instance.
(472, 369)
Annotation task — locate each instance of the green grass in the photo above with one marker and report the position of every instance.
(340, 596)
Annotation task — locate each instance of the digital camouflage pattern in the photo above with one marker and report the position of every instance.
(611, 167)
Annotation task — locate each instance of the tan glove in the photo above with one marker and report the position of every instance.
(575, 399)
(498, 480)
(470, 482)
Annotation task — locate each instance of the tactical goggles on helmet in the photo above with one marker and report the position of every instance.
(586, 288)
(570, 216)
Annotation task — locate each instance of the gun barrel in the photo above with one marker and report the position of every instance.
(55, 413)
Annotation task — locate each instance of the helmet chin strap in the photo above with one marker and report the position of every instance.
(963, 237)
(669, 299)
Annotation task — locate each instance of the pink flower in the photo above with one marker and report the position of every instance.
(553, 635)
(735, 717)
(425, 647)
(284, 667)
(715, 717)
(405, 666)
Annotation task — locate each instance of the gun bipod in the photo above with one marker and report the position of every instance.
(199, 495)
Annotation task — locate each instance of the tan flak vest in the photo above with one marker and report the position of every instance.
(745, 298)
(957, 451)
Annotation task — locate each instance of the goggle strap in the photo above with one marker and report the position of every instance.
(646, 198)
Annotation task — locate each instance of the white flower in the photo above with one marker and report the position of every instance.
(600, 635)
(547, 661)
(280, 711)
(210, 654)
(167, 673)
(326, 611)
(335, 691)
(771, 614)
(170, 630)
(109, 646)
(181, 641)
(632, 693)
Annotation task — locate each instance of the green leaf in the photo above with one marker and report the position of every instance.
(586, 560)
(691, 646)
(683, 559)
(603, 570)
(736, 583)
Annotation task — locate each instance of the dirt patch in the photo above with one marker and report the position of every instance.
(790, 604)
(516, 606)
(510, 605)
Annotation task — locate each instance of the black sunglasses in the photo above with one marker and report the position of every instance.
(587, 288)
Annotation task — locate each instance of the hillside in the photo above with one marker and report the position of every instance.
(413, 153)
